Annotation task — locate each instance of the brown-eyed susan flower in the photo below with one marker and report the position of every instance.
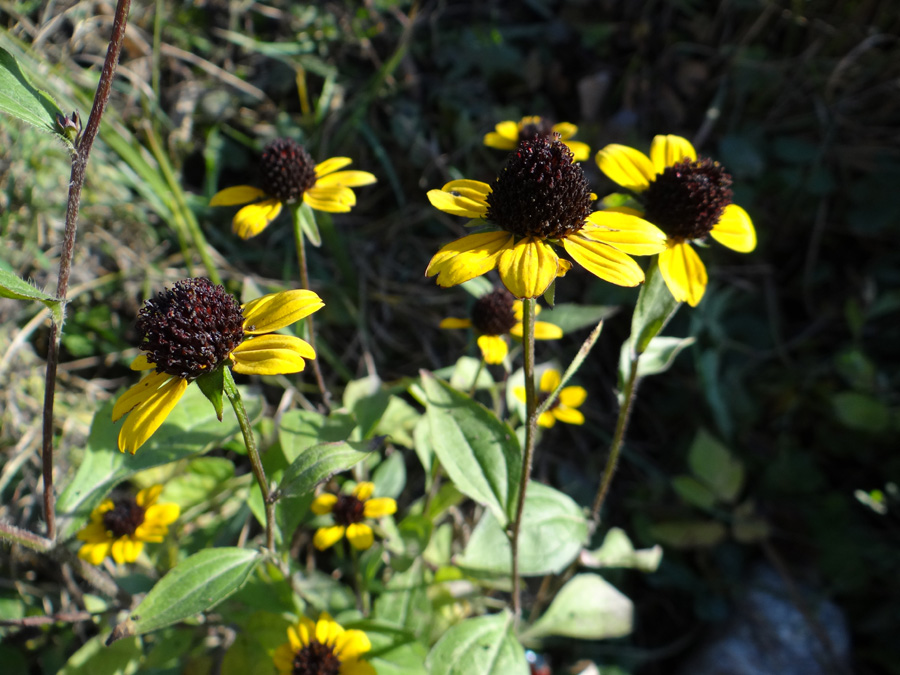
(121, 526)
(197, 327)
(323, 647)
(539, 201)
(288, 175)
(349, 510)
(506, 135)
(687, 198)
(564, 408)
(495, 315)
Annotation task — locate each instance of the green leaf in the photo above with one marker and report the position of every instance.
(212, 385)
(404, 601)
(694, 492)
(21, 100)
(302, 429)
(392, 656)
(714, 464)
(390, 476)
(190, 429)
(861, 411)
(195, 585)
(481, 646)
(462, 375)
(572, 316)
(480, 453)
(307, 220)
(316, 464)
(657, 358)
(250, 653)
(618, 551)
(589, 608)
(95, 658)
(398, 422)
(13, 287)
(553, 531)
(655, 306)
(685, 534)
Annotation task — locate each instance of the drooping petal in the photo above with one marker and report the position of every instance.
(240, 194)
(580, 151)
(461, 198)
(565, 130)
(669, 150)
(630, 168)
(327, 537)
(141, 363)
(493, 348)
(323, 504)
(352, 644)
(453, 322)
(545, 331)
(469, 257)
(568, 415)
(572, 397)
(735, 230)
(254, 218)
(147, 417)
(272, 355)
(379, 507)
(604, 261)
(550, 380)
(138, 393)
(347, 179)
(528, 268)
(364, 490)
(276, 310)
(684, 273)
(148, 496)
(332, 165)
(360, 536)
(330, 198)
(628, 233)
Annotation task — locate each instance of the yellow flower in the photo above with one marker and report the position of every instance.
(496, 314)
(288, 175)
(323, 647)
(540, 200)
(564, 408)
(197, 327)
(349, 511)
(120, 527)
(506, 135)
(687, 199)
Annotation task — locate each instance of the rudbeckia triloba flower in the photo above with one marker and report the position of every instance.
(323, 648)
(540, 200)
(496, 314)
(349, 512)
(288, 175)
(197, 327)
(506, 135)
(119, 527)
(564, 408)
(687, 198)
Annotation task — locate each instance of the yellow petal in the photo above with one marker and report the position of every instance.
(326, 537)
(360, 536)
(564, 266)
(550, 380)
(568, 415)
(272, 355)
(139, 393)
(565, 130)
(323, 504)
(148, 496)
(162, 514)
(327, 629)
(458, 203)
(283, 658)
(493, 139)
(352, 644)
(330, 198)
(580, 151)
(519, 393)
(546, 331)
(493, 348)
(233, 196)
(304, 633)
(347, 179)
(604, 261)
(95, 553)
(357, 668)
(572, 397)
(254, 218)
(379, 507)
(277, 310)
(141, 363)
(546, 420)
(684, 273)
(528, 268)
(630, 168)
(625, 232)
(332, 165)
(469, 257)
(669, 150)
(125, 550)
(93, 533)
(364, 490)
(735, 230)
(452, 322)
(144, 420)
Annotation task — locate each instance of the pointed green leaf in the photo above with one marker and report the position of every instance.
(212, 385)
(480, 453)
(316, 464)
(13, 287)
(95, 658)
(481, 646)
(716, 466)
(22, 100)
(655, 306)
(657, 358)
(307, 220)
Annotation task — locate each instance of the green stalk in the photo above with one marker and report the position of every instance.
(234, 396)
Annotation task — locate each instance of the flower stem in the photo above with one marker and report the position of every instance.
(234, 396)
(76, 182)
(300, 243)
(528, 305)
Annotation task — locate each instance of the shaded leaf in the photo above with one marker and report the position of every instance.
(480, 646)
(22, 100)
(715, 465)
(618, 551)
(314, 465)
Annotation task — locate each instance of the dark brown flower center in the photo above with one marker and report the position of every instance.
(123, 518)
(316, 659)
(189, 330)
(287, 170)
(493, 313)
(540, 192)
(687, 199)
(543, 396)
(542, 128)
(348, 510)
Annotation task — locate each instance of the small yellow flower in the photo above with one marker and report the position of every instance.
(349, 512)
(495, 315)
(687, 199)
(506, 135)
(323, 647)
(197, 327)
(289, 175)
(565, 408)
(120, 527)
(540, 200)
